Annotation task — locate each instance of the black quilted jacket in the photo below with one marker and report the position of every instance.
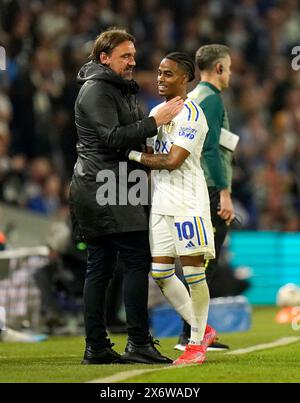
(108, 122)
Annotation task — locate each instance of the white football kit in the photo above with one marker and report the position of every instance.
(180, 222)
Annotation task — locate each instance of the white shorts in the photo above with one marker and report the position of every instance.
(181, 236)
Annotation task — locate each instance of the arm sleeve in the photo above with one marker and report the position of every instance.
(150, 142)
(189, 134)
(213, 109)
(101, 110)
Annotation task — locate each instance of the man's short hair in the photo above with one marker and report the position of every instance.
(185, 62)
(108, 40)
(209, 55)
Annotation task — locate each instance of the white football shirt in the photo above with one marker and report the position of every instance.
(182, 192)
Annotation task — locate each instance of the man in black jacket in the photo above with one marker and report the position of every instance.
(108, 122)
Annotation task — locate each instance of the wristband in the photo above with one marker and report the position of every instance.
(135, 156)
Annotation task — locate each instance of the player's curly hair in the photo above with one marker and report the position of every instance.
(185, 62)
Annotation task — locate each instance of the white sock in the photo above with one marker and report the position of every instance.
(195, 277)
(172, 288)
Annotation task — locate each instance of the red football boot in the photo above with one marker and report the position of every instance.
(210, 335)
(194, 354)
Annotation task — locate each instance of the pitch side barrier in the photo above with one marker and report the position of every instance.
(19, 296)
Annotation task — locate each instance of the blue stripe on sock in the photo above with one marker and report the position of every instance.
(191, 275)
(162, 278)
(163, 269)
(197, 281)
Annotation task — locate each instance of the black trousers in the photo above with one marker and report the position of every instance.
(134, 250)
(220, 232)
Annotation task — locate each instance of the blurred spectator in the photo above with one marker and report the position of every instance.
(48, 202)
(46, 42)
(54, 23)
(4, 147)
(38, 170)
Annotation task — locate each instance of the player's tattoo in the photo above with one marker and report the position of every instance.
(156, 161)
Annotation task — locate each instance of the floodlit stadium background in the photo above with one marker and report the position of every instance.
(47, 41)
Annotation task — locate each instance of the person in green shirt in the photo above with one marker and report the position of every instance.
(214, 63)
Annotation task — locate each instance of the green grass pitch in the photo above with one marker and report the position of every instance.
(58, 359)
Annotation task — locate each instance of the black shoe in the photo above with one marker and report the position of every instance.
(216, 346)
(106, 355)
(144, 354)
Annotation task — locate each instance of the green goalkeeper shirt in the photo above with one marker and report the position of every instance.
(216, 161)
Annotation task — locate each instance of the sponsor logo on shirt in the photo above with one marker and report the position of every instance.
(163, 146)
(187, 132)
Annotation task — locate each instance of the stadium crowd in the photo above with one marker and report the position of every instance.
(46, 42)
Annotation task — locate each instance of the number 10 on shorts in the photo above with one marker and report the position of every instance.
(189, 229)
(185, 230)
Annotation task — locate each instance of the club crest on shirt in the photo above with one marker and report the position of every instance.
(187, 132)
(169, 127)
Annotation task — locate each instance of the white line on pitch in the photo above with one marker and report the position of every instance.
(277, 343)
(122, 376)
